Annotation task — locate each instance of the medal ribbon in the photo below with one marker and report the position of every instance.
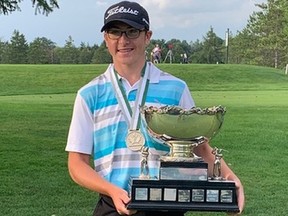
(131, 117)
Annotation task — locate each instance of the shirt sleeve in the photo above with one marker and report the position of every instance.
(186, 101)
(80, 136)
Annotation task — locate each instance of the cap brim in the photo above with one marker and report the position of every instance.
(128, 22)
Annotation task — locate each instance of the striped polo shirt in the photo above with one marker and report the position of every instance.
(98, 126)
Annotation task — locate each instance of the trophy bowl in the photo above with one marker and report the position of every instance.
(181, 124)
(182, 129)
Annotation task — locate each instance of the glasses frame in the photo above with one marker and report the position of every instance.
(126, 32)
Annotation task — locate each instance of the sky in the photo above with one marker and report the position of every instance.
(169, 19)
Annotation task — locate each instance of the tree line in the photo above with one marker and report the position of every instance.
(44, 51)
(262, 42)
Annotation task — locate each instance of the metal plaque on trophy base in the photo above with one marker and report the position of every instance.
(185, 195)
(183, 182)
(183, 171)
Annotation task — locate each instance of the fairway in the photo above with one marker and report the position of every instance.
(36, 103)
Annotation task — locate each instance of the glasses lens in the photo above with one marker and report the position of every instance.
(132, 33)
(115, 34)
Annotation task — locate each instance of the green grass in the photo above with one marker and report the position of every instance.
(36, 104)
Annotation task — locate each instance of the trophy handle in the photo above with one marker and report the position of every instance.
(144, 163)
(217, 174)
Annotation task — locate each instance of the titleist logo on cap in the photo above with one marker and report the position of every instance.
(122, 9)
(130, 13)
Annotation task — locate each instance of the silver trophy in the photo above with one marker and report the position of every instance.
(181, 129)
(183, 182)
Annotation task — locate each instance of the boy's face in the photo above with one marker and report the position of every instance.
(129, 47)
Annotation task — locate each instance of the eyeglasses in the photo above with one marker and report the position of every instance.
(115, 34)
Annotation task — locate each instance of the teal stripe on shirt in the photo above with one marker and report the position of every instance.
(105, 139)
(100, 94)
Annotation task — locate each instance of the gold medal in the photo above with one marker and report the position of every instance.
(135, 140)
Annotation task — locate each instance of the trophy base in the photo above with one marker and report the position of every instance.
(149, 206)
(182, 195)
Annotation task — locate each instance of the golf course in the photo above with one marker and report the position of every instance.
(36, 103)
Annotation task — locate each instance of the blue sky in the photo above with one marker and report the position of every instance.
(181, 19)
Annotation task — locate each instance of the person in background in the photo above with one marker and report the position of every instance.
(106, 111)
(156, 54)
(185, 58)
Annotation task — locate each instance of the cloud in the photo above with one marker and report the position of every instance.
(191, 13)
(181, 19)
(195, 16)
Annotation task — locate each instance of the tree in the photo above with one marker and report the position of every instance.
(85, 53)
(17, 49)
(42, 6)
(101, 55)
(242, 48)
(208, 51)
(41, 51)
(212, 48)
(266, 34)
(69, 53)
(196, 52)
(2, 50)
